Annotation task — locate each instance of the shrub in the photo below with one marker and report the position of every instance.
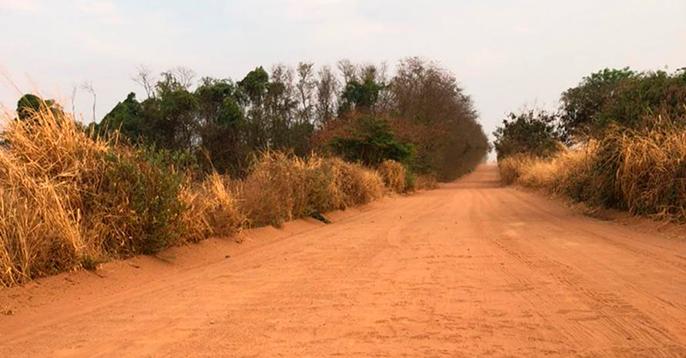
(67, 199)
(323, 185)
(624, 98)
(562, 173)
(529, 133)
(211, 208)
(147, 192)
(650, 172)
(274, 190)
(282, 187)
(44, 169)
(395, 176)
(425, 182)
(369, 140)
(358, 184)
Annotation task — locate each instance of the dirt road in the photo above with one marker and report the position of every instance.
(469, 269)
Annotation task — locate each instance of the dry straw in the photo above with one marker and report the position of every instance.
(69, 199)
(643, 171)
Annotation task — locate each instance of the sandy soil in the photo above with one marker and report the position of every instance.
(469, 269)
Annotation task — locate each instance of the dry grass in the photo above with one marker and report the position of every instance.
(274, 191)
(651, 171)
(640, 171)
(554, 173)
(281, 187)
(211, 209)
(394, 175)
(426, 182)
(45, 167)
(68, 200)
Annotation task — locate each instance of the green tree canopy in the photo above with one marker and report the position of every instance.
(529, 132)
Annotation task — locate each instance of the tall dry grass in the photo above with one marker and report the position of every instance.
(46, 165)
(642, 171)
(651, 170)
(70, 200)
(211, 208)
(282, 187)
(394, 175)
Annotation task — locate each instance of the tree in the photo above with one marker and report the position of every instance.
(144, 78)
(126, 117)
(221, 123)
(327, 88)
(530, 132)
(582, 104)
(306, 85)
(370, 140)
(29, 104)
(292, 109)
(435, 115)
(361, 94)
(621, 97)
(254, 84)
(88, 87)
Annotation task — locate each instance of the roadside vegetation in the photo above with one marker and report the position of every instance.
(185, 163)
(617, 141)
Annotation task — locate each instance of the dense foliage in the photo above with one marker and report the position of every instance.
(623, 98)
(529, 132)
(420, 116)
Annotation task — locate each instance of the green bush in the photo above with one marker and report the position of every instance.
(140, 184)
(621, 98)
(527, 133)
(370, 141)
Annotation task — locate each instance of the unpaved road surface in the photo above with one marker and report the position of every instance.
(470, 269)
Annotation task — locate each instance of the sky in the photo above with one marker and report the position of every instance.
(507, 54)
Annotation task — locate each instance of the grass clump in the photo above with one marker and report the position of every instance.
(211, 208)
(46, 165)
(426, 182)
(395, 176)
(650, 174)
(282, 187)
(274, 190)
(137, 207)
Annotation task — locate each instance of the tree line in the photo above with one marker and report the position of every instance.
(420, 116)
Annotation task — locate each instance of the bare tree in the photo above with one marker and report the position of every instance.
(306, 85)
(348, 70)
(88, 87)
(74, 89)
(327, 88)
(145, 78)
(184, 75)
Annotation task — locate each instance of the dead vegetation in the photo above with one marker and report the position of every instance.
(642, 171)
(394, 176)
(282, 187)
(69, 200)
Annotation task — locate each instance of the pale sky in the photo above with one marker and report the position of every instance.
(506, 53)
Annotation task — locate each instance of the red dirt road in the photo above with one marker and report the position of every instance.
(469, 269)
